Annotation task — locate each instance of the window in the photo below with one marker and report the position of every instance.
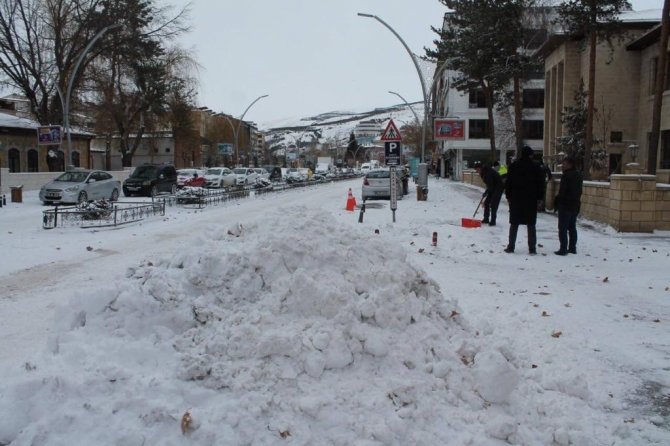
(167, 150)
(665, 149)
(616, 136)
(532, 129)
(75, 159)
(653, 66)
(33, 161)
(533, 98)
(14, 160)
(478, 128)
(477, 99)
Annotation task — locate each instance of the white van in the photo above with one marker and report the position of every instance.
(372, 165)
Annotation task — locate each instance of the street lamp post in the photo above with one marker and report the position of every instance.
(418, 70)
(418, 121)
(70, 83)
(236, 131)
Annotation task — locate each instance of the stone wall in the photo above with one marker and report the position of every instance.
(472, 177)
(628, 203)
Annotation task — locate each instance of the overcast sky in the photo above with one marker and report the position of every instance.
(310, 56)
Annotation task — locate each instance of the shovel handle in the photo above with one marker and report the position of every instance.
(477, 210)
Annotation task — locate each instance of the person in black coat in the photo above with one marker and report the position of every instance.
(568, 203)
(523, 189)
(492, 194)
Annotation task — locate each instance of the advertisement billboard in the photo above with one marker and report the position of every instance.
(225, 149)
(49, 135)
(448, 129)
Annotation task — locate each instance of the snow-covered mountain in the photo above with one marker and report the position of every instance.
(333, 127)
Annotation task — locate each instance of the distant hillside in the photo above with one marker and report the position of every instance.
(333, 127)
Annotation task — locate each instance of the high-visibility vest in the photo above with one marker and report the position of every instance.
(502, 170)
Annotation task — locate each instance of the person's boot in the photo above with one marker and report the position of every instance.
(572, 251)
(561, 252)
(512, 238)
(532, 240)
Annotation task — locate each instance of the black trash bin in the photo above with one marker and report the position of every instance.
(17, 194)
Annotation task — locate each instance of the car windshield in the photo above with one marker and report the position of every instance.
(292, 170)
(240, 171)
(213, 171)
(73, 177)
(144, 172)
(186, 172)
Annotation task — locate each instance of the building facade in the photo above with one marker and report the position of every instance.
(623, 93)
(469, 107)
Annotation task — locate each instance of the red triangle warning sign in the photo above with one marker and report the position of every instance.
(391, 133)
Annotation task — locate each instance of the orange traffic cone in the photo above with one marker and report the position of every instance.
(351, 201)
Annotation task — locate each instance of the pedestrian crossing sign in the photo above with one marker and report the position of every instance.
(391, 133)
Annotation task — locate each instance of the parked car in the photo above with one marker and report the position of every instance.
(298, 174)
(245, 176)
(262, 173)
(150, 180)
(219, 177)
(186, 175)
(275, 172)
(377, 184)
(80, 186)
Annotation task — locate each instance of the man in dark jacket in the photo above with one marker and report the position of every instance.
(569, 200)
(492, 194)
(523, 189)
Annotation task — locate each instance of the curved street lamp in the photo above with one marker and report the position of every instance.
(236, 131)
(418, 121)
(418, 70)
(68, 92)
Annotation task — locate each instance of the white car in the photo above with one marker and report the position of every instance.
(262, 173)
(377, 184)
(218, 177)
(245, 176)
(185, 175)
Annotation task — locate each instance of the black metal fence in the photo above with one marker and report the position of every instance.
(199, 197)
(117, 214)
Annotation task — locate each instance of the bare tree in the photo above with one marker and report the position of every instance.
(40, 45)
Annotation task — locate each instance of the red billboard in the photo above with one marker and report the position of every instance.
(448, 129)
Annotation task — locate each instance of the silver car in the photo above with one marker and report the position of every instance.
(377, 184)
(79, 186)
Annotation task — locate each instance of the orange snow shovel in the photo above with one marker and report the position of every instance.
(472, 222)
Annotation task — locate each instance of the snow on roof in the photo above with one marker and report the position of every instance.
(647, 15)
(12, 121)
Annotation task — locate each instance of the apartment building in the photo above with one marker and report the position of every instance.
(467, 109)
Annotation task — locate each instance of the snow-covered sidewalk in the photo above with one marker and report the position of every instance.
(282, 320)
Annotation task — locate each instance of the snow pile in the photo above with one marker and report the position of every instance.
(263, 335)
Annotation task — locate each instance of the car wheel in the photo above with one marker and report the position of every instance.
(115, 195)
(174, 189)
(154, 191)
(83, 197)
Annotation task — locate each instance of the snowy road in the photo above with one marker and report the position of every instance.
(588, 335)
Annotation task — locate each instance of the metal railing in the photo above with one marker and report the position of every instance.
(118, 214)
